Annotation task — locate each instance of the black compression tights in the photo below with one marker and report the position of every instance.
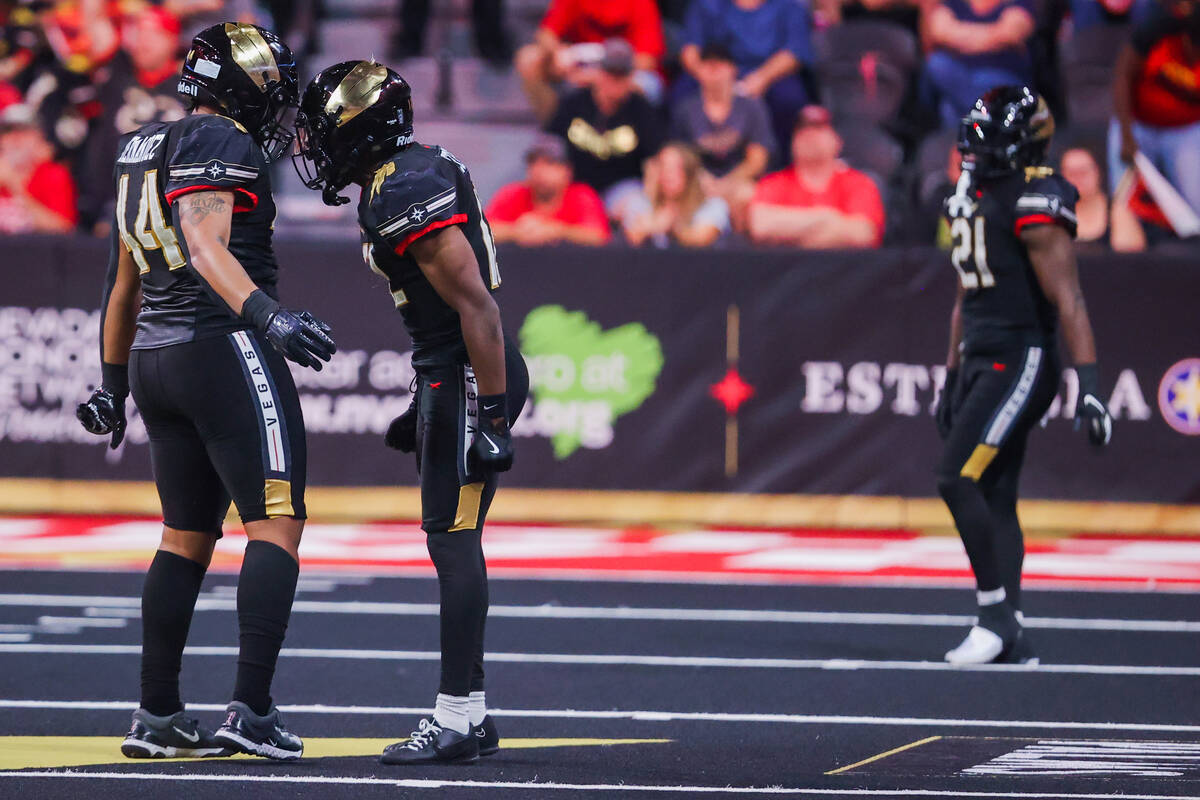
(986, 518)
(462, 581)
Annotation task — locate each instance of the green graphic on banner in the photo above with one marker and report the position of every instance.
(582, 377)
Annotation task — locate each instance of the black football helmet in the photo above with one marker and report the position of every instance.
(250, 74)
(352, 116)
(1009, 129)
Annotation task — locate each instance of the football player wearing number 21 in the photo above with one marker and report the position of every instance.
(423, 230)
(1012, 220)
(204, 357)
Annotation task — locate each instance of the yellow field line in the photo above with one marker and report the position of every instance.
(359, 504)
(883, 755)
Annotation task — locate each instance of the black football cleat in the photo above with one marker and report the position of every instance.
(176, 736)
(485, 733)
(433, 744)
(247, 732)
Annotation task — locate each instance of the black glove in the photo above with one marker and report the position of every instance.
(492, 450)
(942, 415)
(402, 433)
(1091, 408)
(297, 335)
(104, 411)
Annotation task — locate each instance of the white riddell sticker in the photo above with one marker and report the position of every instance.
(209, 69)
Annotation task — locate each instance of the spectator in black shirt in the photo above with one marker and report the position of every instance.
(610, 128)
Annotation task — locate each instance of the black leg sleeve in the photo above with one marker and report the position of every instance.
(266, 588)
(168, 600)
(462, 582)
(973, 518)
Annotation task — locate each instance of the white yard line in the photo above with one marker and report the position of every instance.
(597, 659)
(418, 783)
(648, 716)
(99, 605)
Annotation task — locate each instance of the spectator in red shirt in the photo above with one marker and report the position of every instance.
(818, 202)
(569, 44)
(1157, 100)
(548, 206)
(36, 194)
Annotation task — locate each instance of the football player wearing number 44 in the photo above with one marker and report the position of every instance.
(1012, 221)
(204, 357)
(424, 231)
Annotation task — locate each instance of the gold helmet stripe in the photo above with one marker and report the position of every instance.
(356, 92)
(252, 53)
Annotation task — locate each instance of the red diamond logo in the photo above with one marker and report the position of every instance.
(732, 391)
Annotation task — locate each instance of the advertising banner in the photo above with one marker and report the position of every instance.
(722, 370)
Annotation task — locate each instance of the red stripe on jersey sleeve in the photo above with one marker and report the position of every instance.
(1036, 219)
(457, 219)
(243, 199)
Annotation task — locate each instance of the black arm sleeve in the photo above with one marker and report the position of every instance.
(110, 280)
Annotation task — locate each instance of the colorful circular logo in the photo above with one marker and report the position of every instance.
(1179, 396)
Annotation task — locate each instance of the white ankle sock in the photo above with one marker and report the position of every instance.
(991, 598)
(451, 713)
(477, 708)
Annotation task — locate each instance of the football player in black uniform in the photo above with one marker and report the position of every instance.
(424, 231)
(1013, 221)
(205, 360)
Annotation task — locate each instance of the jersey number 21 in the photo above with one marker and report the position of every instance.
(969, 255)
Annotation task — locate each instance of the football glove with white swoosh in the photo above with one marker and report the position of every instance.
(1090, 410)
(492, 449)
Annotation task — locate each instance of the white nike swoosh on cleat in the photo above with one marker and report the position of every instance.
(191, 737)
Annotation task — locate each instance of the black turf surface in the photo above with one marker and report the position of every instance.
(711, 753)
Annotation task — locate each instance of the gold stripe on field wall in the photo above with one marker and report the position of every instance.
(366, 503)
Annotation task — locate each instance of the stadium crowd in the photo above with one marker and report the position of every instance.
(689, 123)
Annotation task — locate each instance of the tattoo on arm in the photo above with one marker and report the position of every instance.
(195, 208)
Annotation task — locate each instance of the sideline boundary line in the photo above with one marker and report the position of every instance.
(650, 716)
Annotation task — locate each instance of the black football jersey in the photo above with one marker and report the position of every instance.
(158, 164)
(1003, 305)
(423, 189)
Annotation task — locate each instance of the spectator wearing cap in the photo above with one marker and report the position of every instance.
(770, 41)
(1157, 100)
(136, 88)
(548, 207)
(36, 194)
(569, 39)
(610, 129)
(818, 202)
(674, 208)
(731, 132)
(975, 45)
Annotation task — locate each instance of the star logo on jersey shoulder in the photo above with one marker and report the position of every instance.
(418, 215)
(215, 170)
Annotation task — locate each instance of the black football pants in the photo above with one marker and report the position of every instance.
(996, 402)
